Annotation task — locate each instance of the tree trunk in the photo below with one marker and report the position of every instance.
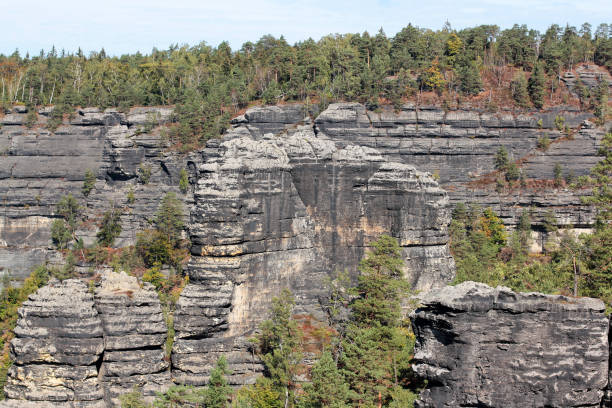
(575, 277)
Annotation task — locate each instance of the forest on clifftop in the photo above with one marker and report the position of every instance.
(482, 66)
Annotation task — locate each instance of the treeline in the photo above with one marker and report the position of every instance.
(209, 84)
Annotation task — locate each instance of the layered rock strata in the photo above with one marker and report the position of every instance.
(38, 167)
(460, 147)
(275, 212)
(484, 347)
(134, 337)
(57, 348)
(74, 349)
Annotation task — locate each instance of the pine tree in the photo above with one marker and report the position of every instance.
(89, 183)
(328, 387)
(280, 345)
(518, 87)
(469, 78)
(169, 217)
(110, 227)
(218, 391)
(375, 357)
(501, 159)
(536, 85)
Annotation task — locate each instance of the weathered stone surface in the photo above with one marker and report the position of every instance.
(57, 347)
(134, 337)
(37, 168)
(485, 347)
(460, 146)
(275, 212)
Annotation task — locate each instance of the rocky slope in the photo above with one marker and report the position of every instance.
(78, 347)
(485, 347)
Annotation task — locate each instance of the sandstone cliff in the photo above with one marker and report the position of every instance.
(78, 347)
(38, 167)
(274, 212)
(485, 347)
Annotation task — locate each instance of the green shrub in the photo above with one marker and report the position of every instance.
(560, 123)
(543, 143)
(110, 227)
(89, 183)
(144, 174)
(60, 234)
(184, 181)
(130, 196)
(153, 247)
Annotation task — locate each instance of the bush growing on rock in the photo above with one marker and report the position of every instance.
(89, 183)
(110, 227)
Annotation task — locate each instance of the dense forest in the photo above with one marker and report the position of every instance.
(208, 85)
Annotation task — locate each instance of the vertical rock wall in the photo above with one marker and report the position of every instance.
(287, 212)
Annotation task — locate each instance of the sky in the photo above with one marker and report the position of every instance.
(127, 26)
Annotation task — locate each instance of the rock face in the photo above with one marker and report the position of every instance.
(460, 146)
(484, 347)
(79, 350)
(134, 336)
(57, 347)
(276, 212)
(38, 168)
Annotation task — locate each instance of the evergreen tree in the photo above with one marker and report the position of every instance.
(89, 182)
(218, 391)
(375, 349)
(501, 159)
(328, 388)
(536, 85)
(518, 87)
(280, 345)
(110, 227)
(169, 217)
(469, 78)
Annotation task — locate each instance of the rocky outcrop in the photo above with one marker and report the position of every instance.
(75, 349)
(57, 348)
(590, 75)
(485, 347)
(134, 337)
(38, 167)
(275, 212)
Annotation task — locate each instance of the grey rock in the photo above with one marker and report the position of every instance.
(273, 212)
(491, 347)
(134, 337)
(58, 343)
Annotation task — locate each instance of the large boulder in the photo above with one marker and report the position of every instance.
(479, 346)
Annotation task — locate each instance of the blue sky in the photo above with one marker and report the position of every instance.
(122, 26)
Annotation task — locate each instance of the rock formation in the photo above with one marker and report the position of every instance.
(134, 337)
(485, 347)
(460, 146)
(275, 212)
(38, 166)
(57, 347)
(76, 349)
